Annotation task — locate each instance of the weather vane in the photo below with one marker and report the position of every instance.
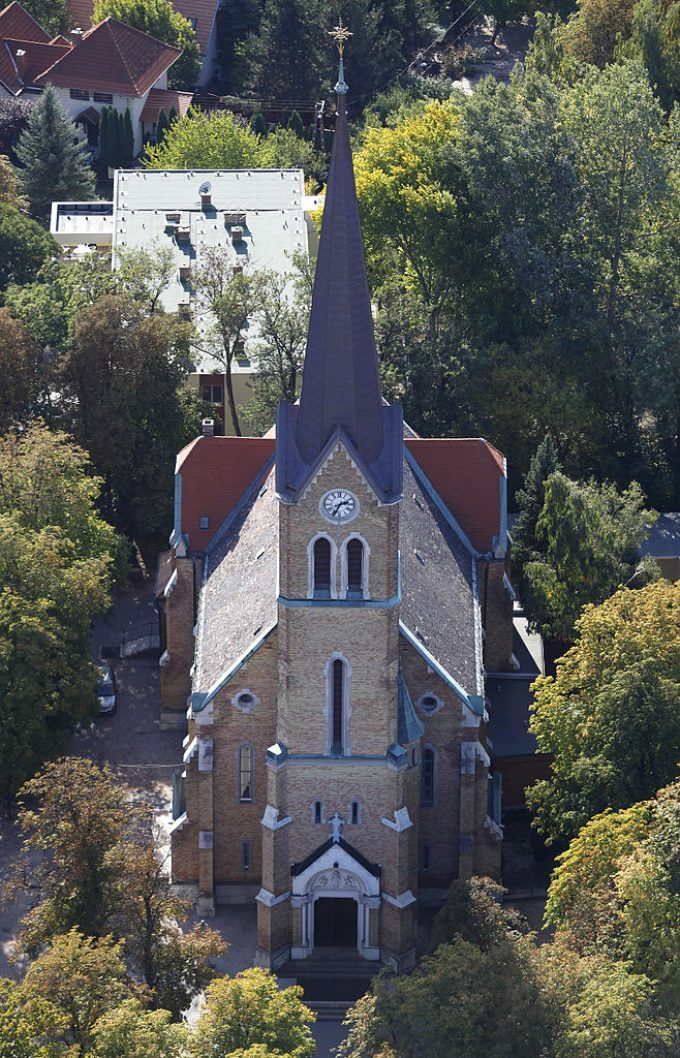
(340, 35)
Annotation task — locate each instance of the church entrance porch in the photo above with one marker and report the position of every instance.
(335, 922)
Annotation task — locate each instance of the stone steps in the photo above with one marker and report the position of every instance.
(329, 1011)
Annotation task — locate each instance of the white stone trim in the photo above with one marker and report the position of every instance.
(205, 839)
(402, 820)
(310, 564)
(171, 585)
(248, 708)
(271, 820)
(429, 712)
(191, 751)
(404, 899)
(205, 754)
(494, 827)
(269, 900)
(163, 659)
(178, 824)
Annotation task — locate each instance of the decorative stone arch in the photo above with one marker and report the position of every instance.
(310, 564)
(346, 703)
(336, 874)
(344, 566)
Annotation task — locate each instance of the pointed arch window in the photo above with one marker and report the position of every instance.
(355, 567)
(321, 582)
(245, 773)
(427, 770)
(338, 707)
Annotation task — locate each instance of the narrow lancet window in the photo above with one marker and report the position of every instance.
(322, 568)
(337, 748)
(355, 568)
(245, 771)
(427, 777)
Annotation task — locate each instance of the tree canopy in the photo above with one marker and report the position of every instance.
(610, 716)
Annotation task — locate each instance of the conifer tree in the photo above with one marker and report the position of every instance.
(172, 116)
(258, 123)
(54, 165)
(296, 124)
(116, 139)
(127, 140)
(105, 136)
(161, 126)
(530, 500)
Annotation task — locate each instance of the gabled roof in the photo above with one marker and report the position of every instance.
(112, 57)
(37, 57)
(373, 868)
(469, 475)
(9, 73)
(239, 594)
(438, 604)
(215, 472)
(17, 23)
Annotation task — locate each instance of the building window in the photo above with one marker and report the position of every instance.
(427, 777)
(322, 568)
(78, 93)
(245, 855)
(338, 703)
(429, 704)
(354, 813)
(355, 567)
(414, 757)
(317, 812)
(245, 701)
(102, 97)
(193, 22)
(425, 857)
(211, 394)
(204, 522)
(245, 773)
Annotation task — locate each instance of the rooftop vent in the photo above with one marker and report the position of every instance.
(235, 218)
(208, 427)
(237, 233)
(184, 310)
(184, 233)
(185, 273)
(206, 197)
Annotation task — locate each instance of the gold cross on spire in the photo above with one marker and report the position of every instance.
(340, 35)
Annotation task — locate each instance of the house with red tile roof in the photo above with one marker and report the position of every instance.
(110, 64)
(200, 14)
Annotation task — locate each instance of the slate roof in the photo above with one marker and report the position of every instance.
(17, 23)
(437, 584)
(112, 57)
(664, 539)
(373, 868)
(239, 593)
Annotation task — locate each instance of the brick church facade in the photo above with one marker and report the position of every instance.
(329, 604)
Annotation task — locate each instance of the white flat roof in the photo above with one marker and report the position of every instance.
(274, 230)
(80, 222)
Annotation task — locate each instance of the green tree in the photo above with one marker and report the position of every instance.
(230, 300)
(159, 19)
(10, 184)
(14, 114)
(609, 715)
(284, 149)
(52, 15)
(54, 166)
(235, 21)
(206, 140)
(586, 545)
(77, 811)
(30, 1027)
(592, 33)
(162, 125)
(106, 119)
(19, 369)
(285, 58)
(125, 368)
(129, 1031)
(84, 978)
(24, 247)
(530, 501)
(258, 124)
(295, 124)
(127, 140)
(249, 1009)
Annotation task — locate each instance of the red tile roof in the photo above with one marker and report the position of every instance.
(112, 57)
(9, 75)
(201, 10)
(36, 58)
(216, 471)
(467, 474)
(17, 23)
(165, 99)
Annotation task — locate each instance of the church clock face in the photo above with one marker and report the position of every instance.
(339, 506)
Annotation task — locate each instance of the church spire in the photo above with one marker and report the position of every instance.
(340, 384)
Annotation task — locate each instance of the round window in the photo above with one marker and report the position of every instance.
(429, 703)
(246, 698)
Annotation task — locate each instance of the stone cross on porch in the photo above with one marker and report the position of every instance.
(336, 827)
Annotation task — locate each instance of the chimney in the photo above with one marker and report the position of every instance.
(20, 59)
(76, 37)
(208, 426)
(206, 199)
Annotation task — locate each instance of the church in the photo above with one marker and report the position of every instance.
(331, 600)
